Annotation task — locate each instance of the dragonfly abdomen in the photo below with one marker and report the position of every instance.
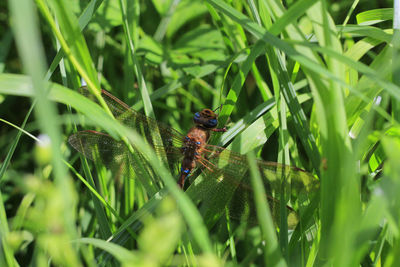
(192, 149)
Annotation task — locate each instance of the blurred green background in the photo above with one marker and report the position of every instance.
(311, 84)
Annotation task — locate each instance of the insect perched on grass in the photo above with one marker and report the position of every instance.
(228, 169)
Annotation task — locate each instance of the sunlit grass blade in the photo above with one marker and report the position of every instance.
(83, 21)
(272, 253)
(29, 45)
(129, 22)
(122, 254)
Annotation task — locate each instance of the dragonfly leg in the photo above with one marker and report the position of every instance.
(219, 129)
(204, 162)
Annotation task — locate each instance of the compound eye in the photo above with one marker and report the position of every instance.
(196, 117)
(211, 123)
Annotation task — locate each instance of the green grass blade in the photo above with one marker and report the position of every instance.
(272, 253)
(28, 41)
(129, 22)
(6, 255)
(83, 21)
(374, 16)
(10, 153)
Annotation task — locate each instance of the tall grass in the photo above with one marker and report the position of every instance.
(312, 84)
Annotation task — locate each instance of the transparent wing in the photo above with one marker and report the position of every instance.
(156, 133)
(228, 181)
(115, 155)
(165, 140)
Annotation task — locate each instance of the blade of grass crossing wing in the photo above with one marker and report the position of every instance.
(283, 158)
(129, 24)
(272, 254)
(283, 155)
(100, 214)
(104, 226)
(187, 208)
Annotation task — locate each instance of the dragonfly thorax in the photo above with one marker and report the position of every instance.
(194, 142)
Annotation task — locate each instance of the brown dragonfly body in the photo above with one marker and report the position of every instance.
(195, 141)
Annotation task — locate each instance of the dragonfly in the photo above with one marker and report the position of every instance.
(226, 172)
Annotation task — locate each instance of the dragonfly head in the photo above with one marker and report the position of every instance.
(206, 118)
